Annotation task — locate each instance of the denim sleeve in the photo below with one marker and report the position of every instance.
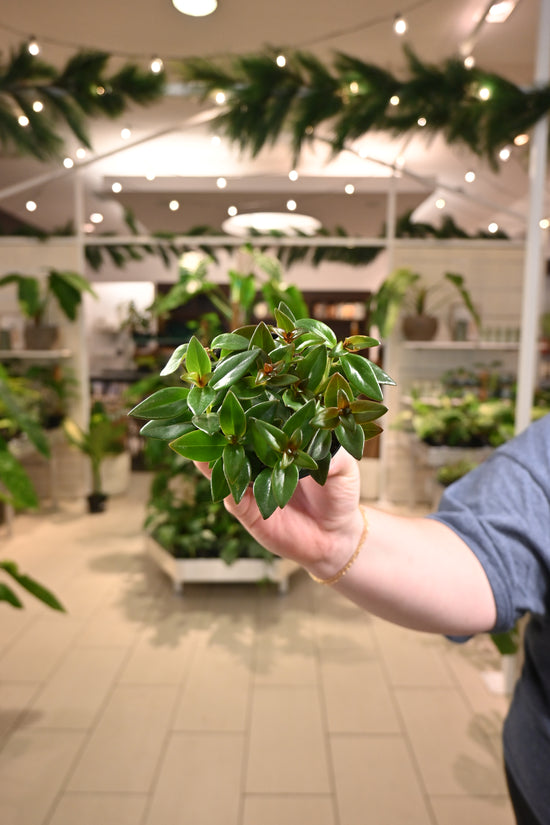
(502, 511)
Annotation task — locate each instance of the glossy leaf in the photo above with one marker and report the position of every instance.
(302, 459)
(319, 446)
(328, 418)
(265, 410)
(349, 423)
(284, 307)
(300, 418)
(32, 586)
(164, 403)
(283, 321)
(371, 430)
(336, 384)
(207, 422)
(352, 442)
(229, 342)
(367, 410)
(167, 430)
(359, 372)
(358, 342)
(200, 398)
(198, 446)
(313, 367)
(232, 417)
(284, 483)
(175, 360)
(283, 380)
(263, 493)
(262, 338)
(237, 470)
(320, 475)
(267, 442)
(219, 488)
(197, 361)
(231, 369)
(318, 328)
(381, 376)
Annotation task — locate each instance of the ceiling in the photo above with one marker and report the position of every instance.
(172, 140)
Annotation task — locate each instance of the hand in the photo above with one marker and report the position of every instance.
(320, 526)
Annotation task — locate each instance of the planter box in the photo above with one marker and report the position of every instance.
(183, 571)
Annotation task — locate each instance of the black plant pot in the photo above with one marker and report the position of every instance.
(97, 502)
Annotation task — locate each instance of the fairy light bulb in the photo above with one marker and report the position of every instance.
(394, 100)
(469, 61)
(33, 47)
(399, 25)
(23, 120)
(281, 61)
(157, 65)
(354, 87)
(31, 206)
(470, 177)
(81, 153)
(421, 121)
(521, 140)
(484, 93)
(174, 205)
(505, 153)
(37, 106)
(544, 223)
(68, 163)
(220, 98)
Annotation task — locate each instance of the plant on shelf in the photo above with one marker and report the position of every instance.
(105, 436)
(184, 520)
(266, 403)
(16, 489)
(405, 290)
(34, 294)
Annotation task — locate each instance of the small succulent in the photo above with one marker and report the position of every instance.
(266, 404)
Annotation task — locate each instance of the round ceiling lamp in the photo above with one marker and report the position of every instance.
(264, 223)
(195, 8)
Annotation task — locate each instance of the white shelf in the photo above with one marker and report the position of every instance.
(34, 354)
(508, 346)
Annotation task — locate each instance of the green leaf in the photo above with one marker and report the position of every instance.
(353, 442)
(14, 478)
(367, 410)
(232, 417)
(164, 403)
(28, 292)
(7, 595)
(200, 398)
(166, 430)
(263, 493)
(284, 308)
(318, 328)
(302, 459)
(175, 360)
(320, 475)
(319, 446)
(265, 410)
(262, 338)
(336, 384)
(283, 321)
(371, 430)
(284, 483)
(327, 419)
(381, 376)
(237, 470)
(229, 342)
(30, 427)
(208, 422)
(358, 342)
(268, 441)
(32, 586)
(219, 488)
(359, 372)
(299, 419)
(282, 380)
(198, 446)
(229, 370)
(68, 288)
(313, 367)
(197, 361)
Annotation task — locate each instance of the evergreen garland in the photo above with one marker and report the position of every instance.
(353, 98)
(81, 90)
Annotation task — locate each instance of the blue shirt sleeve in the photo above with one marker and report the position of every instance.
(502, 511)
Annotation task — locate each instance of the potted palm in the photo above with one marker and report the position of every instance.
(34, 295)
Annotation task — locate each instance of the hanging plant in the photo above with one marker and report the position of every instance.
(266, 404)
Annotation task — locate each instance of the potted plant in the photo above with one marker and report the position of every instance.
(104, 437)
(34, 296)
(268, 403)
(405, 290)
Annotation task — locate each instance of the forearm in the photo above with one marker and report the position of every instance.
(418, 573)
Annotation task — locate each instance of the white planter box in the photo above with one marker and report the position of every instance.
(183, 571)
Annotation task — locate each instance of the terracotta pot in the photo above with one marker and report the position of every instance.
(40, 336)
(419, 327)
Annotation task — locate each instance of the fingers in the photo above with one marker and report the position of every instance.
(203, 467)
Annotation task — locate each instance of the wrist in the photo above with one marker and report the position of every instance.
(340, 559)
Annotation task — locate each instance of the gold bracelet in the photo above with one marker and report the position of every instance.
(337, 576)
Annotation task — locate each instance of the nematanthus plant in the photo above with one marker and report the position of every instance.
(266, 404)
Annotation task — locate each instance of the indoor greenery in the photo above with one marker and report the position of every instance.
(34, 294)
(265, 403)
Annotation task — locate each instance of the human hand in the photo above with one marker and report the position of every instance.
(318, 528)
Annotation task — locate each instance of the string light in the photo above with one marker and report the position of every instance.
(232, 211)
(33, 47)
(96, 217)
(440, 203)
(349, 188)
(493, 227)
(291, 205)
(505, 153)
(100, 90)
(23, 120)
(484, 93)
(354, 87)
(37, 106)
(399, 25)
(157, 65)
(293, 175)
(31, 206)
(221, 183)
(174, 205)
(195, 8)
(116, 187)
(394, 100)
(125, 133)
(521, 140)
(220, 98)
(421, 121)
(81, 153)
(469, 61)
(68, 163)
(281, 61)
(470, 177)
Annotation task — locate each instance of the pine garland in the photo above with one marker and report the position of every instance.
(353, 98)
(81, 90)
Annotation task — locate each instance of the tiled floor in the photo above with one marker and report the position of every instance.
(231, 705)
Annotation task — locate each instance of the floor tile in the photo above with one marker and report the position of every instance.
(124, 749)
(458, 753)
(482, 811)
(376, 782)
(99, 809)
(286, 652)
(411, 658)
(154, 663)
(467, 663)
(200, 781)
(290, 810)
(39, 648)
(74, 695)
(287, 751)
(33, 769)
(15, 698)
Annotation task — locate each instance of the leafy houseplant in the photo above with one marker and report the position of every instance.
(34, 295)
(267, 403)
(104, 436)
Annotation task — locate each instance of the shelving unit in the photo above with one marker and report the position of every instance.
(34, 354)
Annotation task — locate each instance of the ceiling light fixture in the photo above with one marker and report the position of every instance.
(221, 183)
(291, 205)
(264, 223)
(399, 24)
(469, 61)
(173, 206)
(499, 12)
(31, 206)
(493, 227)
(157, 65)
(96, 217)
(33, 47)
(440, 203)
(68, 163)
(470, 177)
(349, 188)
(281, 61)
(116, 187)
(521, 140)
(23, 120)
(195, 8)
(293, 175)
(505, 153)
